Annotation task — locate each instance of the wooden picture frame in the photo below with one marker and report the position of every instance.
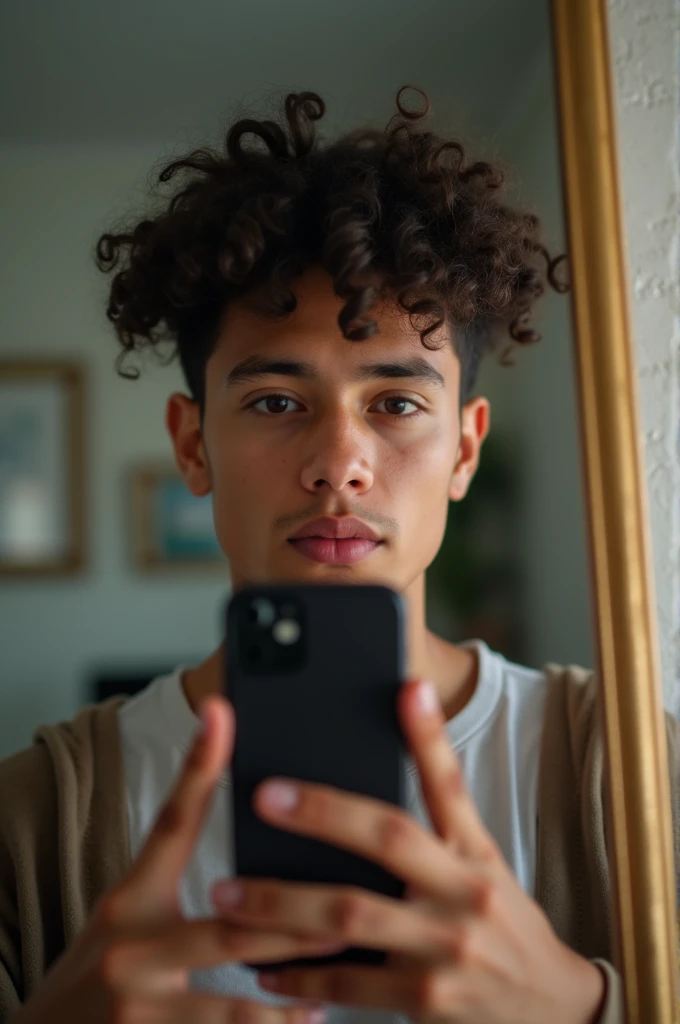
(42, 468)
(641, 863)
(171, 531)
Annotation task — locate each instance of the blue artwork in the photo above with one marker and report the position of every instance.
(184, 524)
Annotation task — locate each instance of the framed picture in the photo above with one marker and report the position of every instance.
(172, 529)
(42, 468)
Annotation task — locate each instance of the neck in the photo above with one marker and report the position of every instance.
(452, 669)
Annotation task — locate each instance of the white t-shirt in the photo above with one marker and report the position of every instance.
(496, 736)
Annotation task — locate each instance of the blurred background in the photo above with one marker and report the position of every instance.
(93, 97)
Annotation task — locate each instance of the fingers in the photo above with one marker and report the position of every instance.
(380, 832)
(415, 992)
(357, 916)
(204, 1008)
(452, 811)
(201, 944)
(151, 887)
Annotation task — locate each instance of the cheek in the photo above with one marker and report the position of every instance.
(428, 462)
(244, 493)
(418, 479)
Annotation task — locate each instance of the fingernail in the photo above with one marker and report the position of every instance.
(428, 698)
(280, 796)
(317, 1015)
(227, 894)
(268, 980)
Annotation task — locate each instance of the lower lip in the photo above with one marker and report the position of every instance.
(338, 552)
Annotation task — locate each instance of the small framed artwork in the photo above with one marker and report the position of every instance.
(172, 530)
(42, 468)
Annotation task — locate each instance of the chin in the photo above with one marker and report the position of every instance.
(288, 566)
(322, 572)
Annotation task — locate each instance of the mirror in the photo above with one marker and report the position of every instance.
(115, 569)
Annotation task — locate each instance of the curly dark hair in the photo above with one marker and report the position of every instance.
(400, 213)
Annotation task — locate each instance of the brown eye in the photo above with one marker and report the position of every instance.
(397, 406)
(277, 403)
(273, 404)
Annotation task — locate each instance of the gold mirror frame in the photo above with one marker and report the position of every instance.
(642, 870)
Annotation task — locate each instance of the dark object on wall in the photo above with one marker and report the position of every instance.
(475, 584)
(112, 682)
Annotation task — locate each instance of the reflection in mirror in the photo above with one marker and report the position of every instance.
(190, 486)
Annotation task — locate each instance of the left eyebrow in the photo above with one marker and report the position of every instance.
(417, 369)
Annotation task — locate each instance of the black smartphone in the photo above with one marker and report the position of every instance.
(313, 672)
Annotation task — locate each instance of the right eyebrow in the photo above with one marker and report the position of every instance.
(258, 366)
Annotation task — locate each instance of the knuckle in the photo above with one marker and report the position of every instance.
(486, 897)
(489, 854)
(295, 1015)
(110, 910)
(231, 941)
(169, 819)
(349, 914)
(431, 997)
(267, 900)
(122, 1010)
(465, 944)
(244, 1011)
(454, 781)
(317, 806)
(194, 761)
(337, 985)
(110, 965)
(395, 834)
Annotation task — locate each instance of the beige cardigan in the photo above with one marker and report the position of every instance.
(64, 834)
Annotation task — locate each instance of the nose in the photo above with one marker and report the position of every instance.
(338, 457)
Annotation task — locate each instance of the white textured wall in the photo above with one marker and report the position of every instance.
(645, 37)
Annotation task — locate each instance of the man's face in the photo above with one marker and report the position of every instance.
(366, 429)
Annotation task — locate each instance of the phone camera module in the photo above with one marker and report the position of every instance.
(271, 633)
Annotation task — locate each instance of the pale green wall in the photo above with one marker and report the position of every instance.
(536, 397)
(54, 202)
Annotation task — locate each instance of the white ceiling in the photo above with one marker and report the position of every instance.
(143, 71)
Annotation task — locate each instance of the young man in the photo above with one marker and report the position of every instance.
(330, 307)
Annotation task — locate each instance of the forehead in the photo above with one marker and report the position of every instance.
(312, 329)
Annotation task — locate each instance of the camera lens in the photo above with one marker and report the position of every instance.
(261, 612)
(286, 631)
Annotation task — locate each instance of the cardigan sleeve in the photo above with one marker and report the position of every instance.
(573, 879)
(30, 913)
(611, 1011)
(63, 843)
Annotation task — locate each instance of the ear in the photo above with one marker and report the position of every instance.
(183, 422)
(475, 423)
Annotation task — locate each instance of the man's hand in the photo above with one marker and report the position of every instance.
(468, 946)
(132, 961)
